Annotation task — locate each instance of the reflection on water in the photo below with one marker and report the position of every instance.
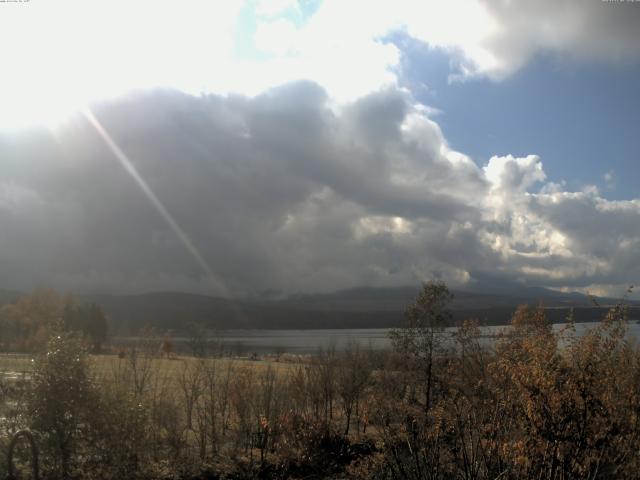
(243, 342)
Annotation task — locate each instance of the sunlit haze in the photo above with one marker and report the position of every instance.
(64, 54)
(278, 147)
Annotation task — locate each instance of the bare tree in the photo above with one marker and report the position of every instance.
(353, 375)
(191, 385)
(419, 339)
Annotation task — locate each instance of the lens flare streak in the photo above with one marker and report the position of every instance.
(133, 172)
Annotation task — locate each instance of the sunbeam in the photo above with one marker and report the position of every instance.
(155, 201)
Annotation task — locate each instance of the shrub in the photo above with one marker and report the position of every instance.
(61, 401)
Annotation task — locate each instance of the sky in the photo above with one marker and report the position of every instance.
(267, 148)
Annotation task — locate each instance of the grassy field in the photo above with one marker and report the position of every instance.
(106, 367)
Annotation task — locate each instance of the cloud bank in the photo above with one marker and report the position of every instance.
(284, 193)
(485, 38)
(63, 54)
(299, 165)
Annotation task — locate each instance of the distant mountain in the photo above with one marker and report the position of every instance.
(176, 310)
(353, 308)
(366, 298)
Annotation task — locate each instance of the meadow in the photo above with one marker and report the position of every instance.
(105, 367)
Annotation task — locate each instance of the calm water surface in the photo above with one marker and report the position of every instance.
(243, 342)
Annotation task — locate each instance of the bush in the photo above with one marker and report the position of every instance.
(61, 401)
(118, 443)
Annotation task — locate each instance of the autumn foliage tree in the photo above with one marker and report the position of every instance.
(28, 323)
(532, 400)
(535, 402)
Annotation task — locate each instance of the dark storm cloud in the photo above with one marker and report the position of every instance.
(284, 192)
(496, 38)
(604, 235)
(243, 177)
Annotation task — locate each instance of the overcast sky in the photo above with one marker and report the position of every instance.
(275, 147)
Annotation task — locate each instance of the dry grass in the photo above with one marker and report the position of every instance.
(105, 366)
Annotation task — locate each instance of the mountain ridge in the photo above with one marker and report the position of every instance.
(361, 307)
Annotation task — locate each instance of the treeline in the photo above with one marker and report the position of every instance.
(27, 324)
(536, 403)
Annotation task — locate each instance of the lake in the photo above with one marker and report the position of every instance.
(304, 342)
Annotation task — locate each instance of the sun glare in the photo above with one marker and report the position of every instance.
(69, 52)
(21, 110)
